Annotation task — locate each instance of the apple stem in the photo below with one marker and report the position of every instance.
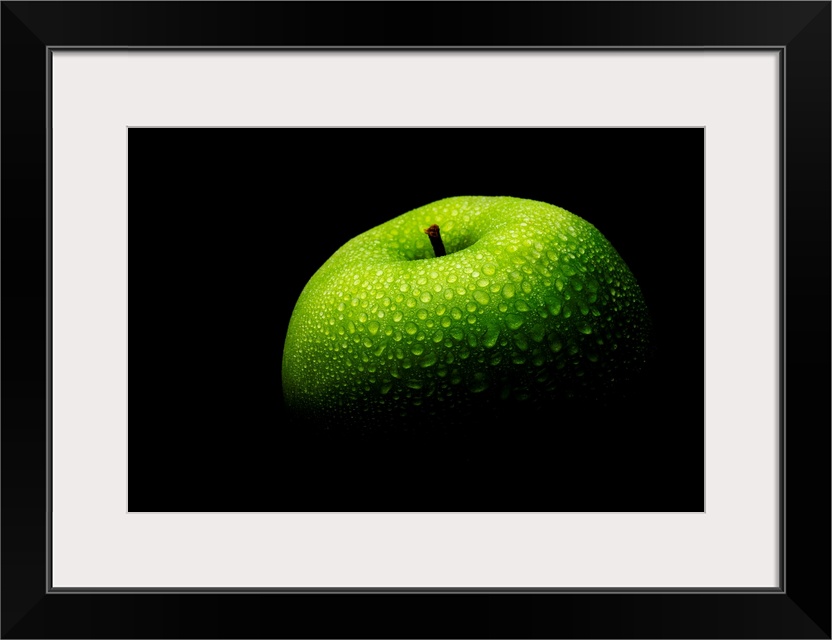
(435, 240)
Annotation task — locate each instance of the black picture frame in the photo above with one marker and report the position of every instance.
(799, 31)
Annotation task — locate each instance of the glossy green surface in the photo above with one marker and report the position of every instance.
(530, 304)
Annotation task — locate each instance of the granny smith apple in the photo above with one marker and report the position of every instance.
(465, 304)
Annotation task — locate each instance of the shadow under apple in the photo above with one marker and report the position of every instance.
(565, 451)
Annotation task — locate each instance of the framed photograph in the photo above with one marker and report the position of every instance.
(225, 415)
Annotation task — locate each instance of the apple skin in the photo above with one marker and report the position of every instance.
(531, 305)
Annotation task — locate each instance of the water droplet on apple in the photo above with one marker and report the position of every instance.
(492, 333)
(481, 297)
(554, 305)
(514, 321)
(428, 360)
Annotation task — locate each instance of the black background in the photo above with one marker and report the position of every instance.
(226, 226)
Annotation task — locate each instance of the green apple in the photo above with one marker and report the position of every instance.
(530, 304)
